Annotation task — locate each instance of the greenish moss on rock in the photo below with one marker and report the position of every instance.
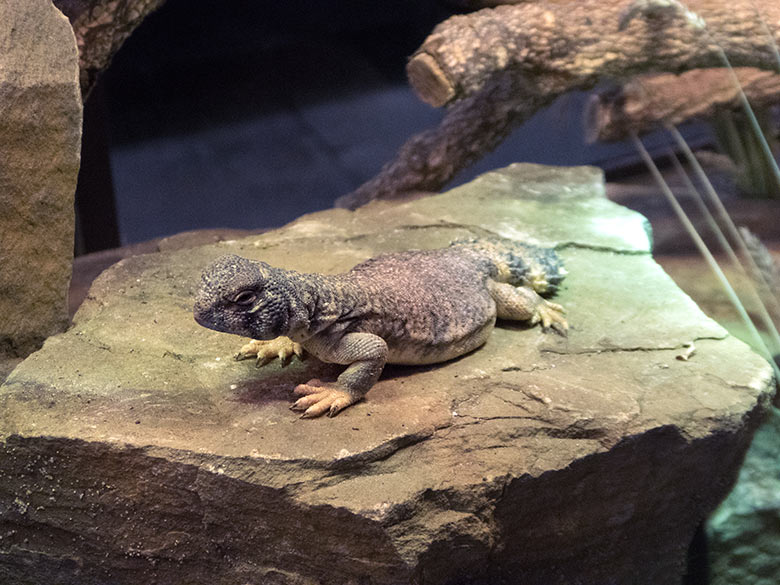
(135, 448)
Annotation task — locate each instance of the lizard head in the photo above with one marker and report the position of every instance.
(246, 298)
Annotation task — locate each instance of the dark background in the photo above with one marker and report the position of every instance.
(249, 114)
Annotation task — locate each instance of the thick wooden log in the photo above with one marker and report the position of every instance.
(496, 67)
(568, 45)
(644, 102)
(471, 128)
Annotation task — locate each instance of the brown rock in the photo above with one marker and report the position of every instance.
(40, 135)
(135, 450)
(101, 26)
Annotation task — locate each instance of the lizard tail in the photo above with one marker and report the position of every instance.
(519, 264)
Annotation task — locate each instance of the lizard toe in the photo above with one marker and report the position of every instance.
(247, 351)
(266, 351)
(551, 316)
(319, 400)
(313, 386)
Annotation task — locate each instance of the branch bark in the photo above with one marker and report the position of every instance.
(642, 103)
(578, 43)
(542, 50)
(472, 127)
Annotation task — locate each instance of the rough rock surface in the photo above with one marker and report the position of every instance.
(135, 450)
(101, 26)
(743, 535)
(40, 137)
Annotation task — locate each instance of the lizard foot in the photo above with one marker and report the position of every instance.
(265, 351)
(318, 398)
(551, 315)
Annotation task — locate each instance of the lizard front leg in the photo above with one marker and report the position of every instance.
(365, 354)
(268, 350)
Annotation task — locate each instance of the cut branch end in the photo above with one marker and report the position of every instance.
(429, 81)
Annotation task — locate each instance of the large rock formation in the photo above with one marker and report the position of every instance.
(40, 137)
(135, 450)
(743, 534)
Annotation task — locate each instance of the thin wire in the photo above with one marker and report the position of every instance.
(757, 339)
(762, 141)
(724, 216)
(700, 23)
(766, 319)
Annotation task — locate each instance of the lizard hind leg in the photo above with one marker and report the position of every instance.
(318, 398)
(524, 304)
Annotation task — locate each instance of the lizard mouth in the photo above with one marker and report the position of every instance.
(204, 317)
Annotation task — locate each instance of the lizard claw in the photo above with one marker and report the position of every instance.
(551, 315)
(266, 351)
(319, 398)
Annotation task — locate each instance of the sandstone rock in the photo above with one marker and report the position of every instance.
(743, 534)
(40, 135)
(135, 450)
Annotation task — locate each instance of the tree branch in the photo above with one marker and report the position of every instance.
(644, 102)
(471, 128)
(576, 44)
(540, 51)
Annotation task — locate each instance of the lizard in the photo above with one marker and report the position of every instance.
(415, 307)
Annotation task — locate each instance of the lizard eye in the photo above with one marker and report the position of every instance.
(245, 297)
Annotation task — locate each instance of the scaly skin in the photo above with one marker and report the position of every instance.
(415, 307)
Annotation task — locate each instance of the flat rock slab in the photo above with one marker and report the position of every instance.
(136, 450)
